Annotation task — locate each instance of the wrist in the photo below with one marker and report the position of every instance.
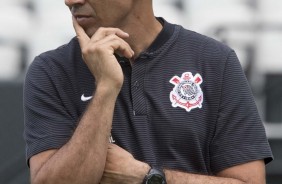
(168, 176)
(110, 85)
(102, 89)
(155, 176)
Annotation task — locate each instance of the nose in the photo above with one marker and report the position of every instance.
(71, 3)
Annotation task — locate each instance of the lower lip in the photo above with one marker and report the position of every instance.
(83, 20)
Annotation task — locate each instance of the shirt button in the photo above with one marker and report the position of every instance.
(136, 85)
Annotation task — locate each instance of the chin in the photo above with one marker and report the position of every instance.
(90, 31)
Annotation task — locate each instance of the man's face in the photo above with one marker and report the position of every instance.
(92, 14)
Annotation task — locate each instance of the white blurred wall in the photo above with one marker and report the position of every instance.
(49, 26)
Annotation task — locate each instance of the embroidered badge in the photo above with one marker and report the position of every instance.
(187, 92)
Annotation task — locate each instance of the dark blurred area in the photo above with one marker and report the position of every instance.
(253, 28)
(13, 169)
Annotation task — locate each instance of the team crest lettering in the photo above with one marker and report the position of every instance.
(187, 92)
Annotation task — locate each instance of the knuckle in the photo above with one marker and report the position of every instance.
(101, 29)
(85, 51)
(88, 50)
(98, 49)
(114, 37)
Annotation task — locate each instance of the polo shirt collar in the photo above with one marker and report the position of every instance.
(163, 37)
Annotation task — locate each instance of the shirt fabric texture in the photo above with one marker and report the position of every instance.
(224, 131)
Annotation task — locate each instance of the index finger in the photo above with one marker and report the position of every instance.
(82, 37)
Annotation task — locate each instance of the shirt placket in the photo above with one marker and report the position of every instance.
(137, 87)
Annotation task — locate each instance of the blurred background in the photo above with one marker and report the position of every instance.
(253, 28)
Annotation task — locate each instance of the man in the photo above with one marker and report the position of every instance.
(174, 104)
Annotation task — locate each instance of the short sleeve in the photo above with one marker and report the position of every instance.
(240, 135)
(47, 122)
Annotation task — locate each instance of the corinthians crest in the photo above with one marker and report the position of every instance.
(187, 92)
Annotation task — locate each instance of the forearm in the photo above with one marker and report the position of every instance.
(82, 159)
(176, 177)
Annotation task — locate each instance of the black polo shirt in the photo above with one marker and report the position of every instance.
(185, 104)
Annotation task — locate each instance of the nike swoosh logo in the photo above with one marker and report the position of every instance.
(85, 99)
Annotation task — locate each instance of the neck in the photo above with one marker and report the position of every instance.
(142, 30)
